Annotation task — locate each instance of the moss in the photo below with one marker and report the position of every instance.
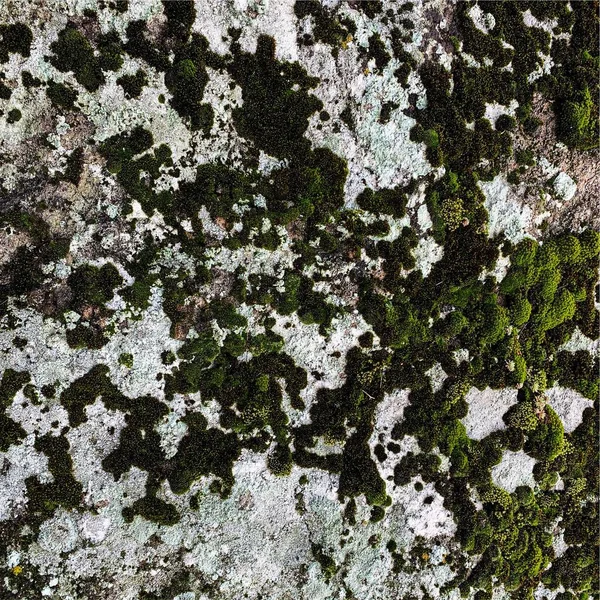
(429, 137)
(14, 115)
(546, 442)
(19, 342)
(73, 52)
(359, 473)
(366, 339)
(578, 371)
(133, 84)
(452, 324)
(139, 46)
(93, 285)
(512, 329)
(568, 249)
(411, 465)
(84, 391)
(64, 490)
(377, 51)
(372, 8)
(493, 325)
(120, 149)
(152, 509)
(273, 115)
(49, 391)
(578, 123)
(10, 431)
(29, 80)
(111, 52)
(453, 213)
(326, 26)
(203, 452)
(387, 201)
(347, 118)
(562, 309)
(386, 111)
(377, 514)
(575, 569)
(531, 125)
(525, 157)
(505, 123)
(139, 445)
(589, 241)
(86, 336)
(180, 18)
(15, 38)
(61, 96)
(520, 311)
(186, 80)
(44, 248)
(5, 91)
(524, 495)
(126, 359)
(227, 316)
(74, 169)
(279, 461)
(328, 566)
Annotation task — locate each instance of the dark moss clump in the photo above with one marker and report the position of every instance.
(327, 28)
(328, 566)
(371, 8)
(64, 491)
(29, 80)
(273, 115)
(93, 285)
(578, 122)
(10, 431)
(139, 46)
(505, 123)
(45, 248)
(139, 443)
(15, 38)
(386, 111)
(525, 157)
(279, 461)
(203, 452)
(352, 405)
(377, 51)
(73, 52)
(13, 116)
(217, 187)
(347, 117)
(152, 509)
(574, 84)
(119, 149)
(578, 371)
(133, 84)
(5, 91)
(359, 473)
(85, 390)
(187, 79)
(389, 201)
(111, 51)
(61, 96)
(180, 18)
(137, 176)
(429, 137)
(86, 335)
(74, 168)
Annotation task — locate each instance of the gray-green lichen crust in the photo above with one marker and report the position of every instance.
(298, 299)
